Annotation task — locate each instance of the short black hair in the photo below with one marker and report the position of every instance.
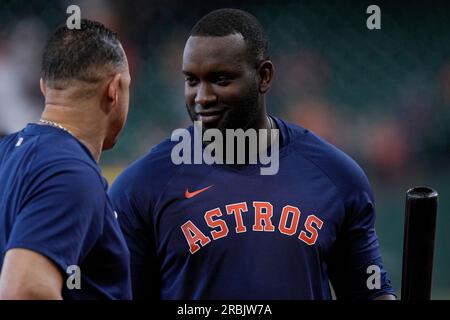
(223, 22)
(80, 53)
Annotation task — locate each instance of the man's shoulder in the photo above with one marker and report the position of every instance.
(44, 150)
(52, 154)
(153, 168)
(64, 152)
(35, 163)
(340, 168)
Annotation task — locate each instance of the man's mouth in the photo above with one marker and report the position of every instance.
(210, 116)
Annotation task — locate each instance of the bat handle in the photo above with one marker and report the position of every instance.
(418, 243)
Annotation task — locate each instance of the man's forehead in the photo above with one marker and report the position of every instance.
(225, 49)
(234, 39)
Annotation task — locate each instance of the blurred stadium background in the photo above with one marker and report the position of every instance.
(382, 96)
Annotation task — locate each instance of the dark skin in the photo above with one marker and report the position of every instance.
(224, 89)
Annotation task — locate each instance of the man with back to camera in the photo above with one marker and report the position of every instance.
(224, 231)
(55, 215)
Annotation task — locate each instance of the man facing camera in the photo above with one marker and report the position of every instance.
(56, 219)
(225, 230)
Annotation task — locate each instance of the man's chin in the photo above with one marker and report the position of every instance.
(109, 145)
(221, 124)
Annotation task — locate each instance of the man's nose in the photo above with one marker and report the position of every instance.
(205, 96)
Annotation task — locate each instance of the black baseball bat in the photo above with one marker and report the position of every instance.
(418, 243)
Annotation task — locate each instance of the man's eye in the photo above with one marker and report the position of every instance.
(191, 81)
(223, 81)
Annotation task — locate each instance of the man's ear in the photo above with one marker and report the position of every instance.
(42, 86)
(265, 73)
(113, 89)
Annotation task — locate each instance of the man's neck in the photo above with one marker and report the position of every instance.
(264, 123)
(81, 125)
